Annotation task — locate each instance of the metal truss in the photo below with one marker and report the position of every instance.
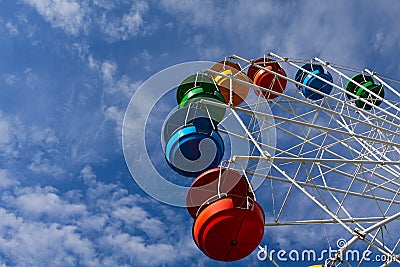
(345, 160)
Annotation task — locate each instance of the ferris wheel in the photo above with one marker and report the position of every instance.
(324, 138)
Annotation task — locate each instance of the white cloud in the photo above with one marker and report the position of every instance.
(126, 246)
(12, 29)
(114, 85)
(93, 64)
(135, 215)
(117, 91)
(41, 226)
(125, 87)
(114, 114)
(197, 13)
(204, 49)
(66, 14)
(295, 29)
(108, 69)
(5, 180)
(127, 26)
(45, 137)
(7, 137)
(145, 60)
(10, 79)
(41, 164)
(106, 4)
(48, 149)
(81, 49)
(87, 175)
(38, 244)
(37, 148)
(4, 131)
(77, 17)
(30, 76)
(36, 202)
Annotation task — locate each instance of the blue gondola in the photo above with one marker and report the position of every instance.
(313, 82)
(185, 140)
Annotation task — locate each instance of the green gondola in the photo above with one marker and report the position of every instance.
(367, 82)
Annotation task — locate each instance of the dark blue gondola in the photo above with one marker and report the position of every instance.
(313, 82)
(185, 140)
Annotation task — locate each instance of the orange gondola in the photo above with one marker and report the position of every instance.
(239, 90)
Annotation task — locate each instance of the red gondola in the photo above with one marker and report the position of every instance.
(229, 223)
(228, 233)
(266, 79)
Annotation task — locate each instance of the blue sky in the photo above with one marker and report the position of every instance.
(68, 69)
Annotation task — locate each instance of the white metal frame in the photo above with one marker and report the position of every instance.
(360, 147)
